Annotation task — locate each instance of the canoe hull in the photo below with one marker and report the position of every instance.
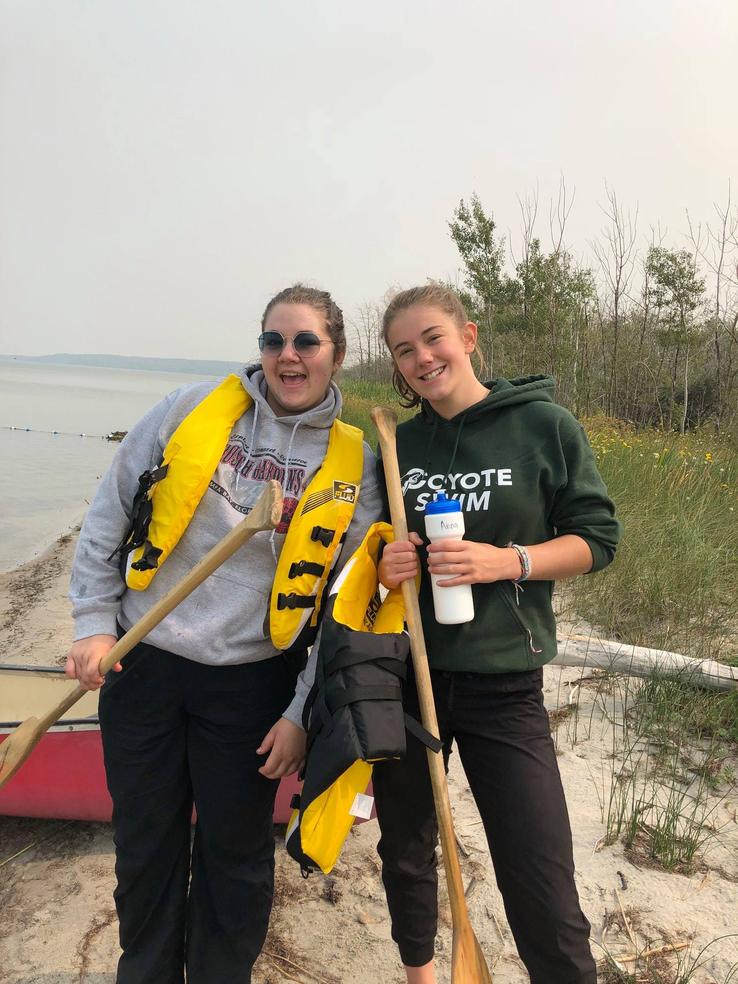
(64, 776)
(64, 779)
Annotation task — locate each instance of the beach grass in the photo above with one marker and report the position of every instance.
(673, 583)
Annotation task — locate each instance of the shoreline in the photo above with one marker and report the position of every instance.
(47, 544)
(35, 616)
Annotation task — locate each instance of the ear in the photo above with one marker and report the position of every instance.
(469, 334)
(338, 361)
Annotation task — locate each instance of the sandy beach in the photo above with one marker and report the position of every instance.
(57, 920)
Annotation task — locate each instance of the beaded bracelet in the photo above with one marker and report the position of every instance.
(525, 564)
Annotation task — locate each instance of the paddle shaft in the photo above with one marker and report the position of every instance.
(386, 423)
(264, 516)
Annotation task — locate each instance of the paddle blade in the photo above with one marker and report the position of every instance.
(468, 965)
(18, 746)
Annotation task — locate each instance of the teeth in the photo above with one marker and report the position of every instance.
(432, 375)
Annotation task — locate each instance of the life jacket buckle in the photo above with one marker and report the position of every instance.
(324, 535)
(301, 567)
(294, 601)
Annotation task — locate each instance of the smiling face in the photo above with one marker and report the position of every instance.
(432, 352)
(296, 383)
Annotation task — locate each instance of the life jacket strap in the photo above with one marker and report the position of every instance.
(417, 730)
(305, 567)
(141, 512)
(350, 657)
(294, 601)
(354, 694)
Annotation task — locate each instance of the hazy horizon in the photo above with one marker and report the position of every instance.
(167, 167)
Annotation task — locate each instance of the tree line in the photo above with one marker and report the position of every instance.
(646, 333)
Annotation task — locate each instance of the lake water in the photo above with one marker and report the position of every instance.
(47, 479)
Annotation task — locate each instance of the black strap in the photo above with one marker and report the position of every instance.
(305, 567)
(294, 601)
(350, 657)
(141, 512)
(417, 730)
(351, 695)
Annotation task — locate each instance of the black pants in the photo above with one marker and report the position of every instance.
(501, 729)
(177, 732)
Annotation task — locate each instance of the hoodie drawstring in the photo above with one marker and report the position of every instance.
(242, 468)
(449, 470)
(286, 479)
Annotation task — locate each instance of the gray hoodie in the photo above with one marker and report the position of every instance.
(225, 620)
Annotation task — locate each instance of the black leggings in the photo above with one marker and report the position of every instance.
(501, 729)
(177, 732)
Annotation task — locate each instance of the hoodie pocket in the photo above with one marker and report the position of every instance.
(507, 590)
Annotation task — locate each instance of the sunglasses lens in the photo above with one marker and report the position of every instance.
(271, 342)
(306, 343)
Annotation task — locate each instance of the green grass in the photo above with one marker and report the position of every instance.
(360, 397)
(673, 584)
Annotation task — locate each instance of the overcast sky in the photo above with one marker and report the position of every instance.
(166, 166)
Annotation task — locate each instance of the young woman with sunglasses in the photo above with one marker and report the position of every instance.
(535, 510)
(206, 711)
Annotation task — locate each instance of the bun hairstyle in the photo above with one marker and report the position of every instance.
(432, 294)
(322, 302)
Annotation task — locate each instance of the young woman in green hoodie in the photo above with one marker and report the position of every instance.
(535, 510)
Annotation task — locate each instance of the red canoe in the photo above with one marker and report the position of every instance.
(64, 776)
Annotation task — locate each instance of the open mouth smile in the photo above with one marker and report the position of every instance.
(292, 378)
(433, 374)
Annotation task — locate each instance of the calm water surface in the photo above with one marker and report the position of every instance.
(47, 479)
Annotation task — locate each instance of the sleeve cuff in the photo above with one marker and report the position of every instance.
(601, 556)
(95, 623)
(294, 711)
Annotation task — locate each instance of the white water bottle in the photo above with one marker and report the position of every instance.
(445, 521)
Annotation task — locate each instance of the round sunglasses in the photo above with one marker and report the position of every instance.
(305, 343)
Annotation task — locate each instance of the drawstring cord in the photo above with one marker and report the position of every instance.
(286, 478)
(456, 443)
(239, 471)
(429, 450)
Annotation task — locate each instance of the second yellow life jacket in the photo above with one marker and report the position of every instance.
(353, 715)
(168, 496)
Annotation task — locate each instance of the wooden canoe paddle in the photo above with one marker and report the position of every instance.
(468, 965)
(265, 515)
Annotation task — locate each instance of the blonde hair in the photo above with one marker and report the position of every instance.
(435, 295)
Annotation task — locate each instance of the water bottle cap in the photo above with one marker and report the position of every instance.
(442, 504)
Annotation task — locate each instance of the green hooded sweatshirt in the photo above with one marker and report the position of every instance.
(524, 473)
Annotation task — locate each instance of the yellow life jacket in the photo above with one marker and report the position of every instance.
(353, 715)
(167, 499)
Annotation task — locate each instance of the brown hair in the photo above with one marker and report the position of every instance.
(322, 302)
(435, 295)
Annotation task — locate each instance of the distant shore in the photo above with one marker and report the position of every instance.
(136, 363)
